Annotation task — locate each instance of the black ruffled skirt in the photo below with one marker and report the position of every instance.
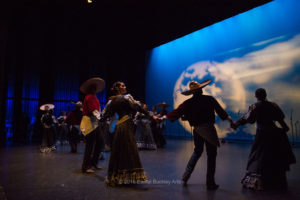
(124, 165)
(269, 159)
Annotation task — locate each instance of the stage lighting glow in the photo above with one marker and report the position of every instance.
(258, 48)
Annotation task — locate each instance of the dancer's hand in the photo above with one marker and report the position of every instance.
(233, 125)
(157, 119)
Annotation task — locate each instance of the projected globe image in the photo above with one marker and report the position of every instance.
(273, 65)
(228, 92)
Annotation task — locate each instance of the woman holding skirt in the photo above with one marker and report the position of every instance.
(271, 152)
(124, 165)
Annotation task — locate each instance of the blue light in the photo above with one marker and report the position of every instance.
(232, 38)
(102, 99)
(65, 91)
(9, 118)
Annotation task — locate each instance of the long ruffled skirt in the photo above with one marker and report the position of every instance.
(270, 157)
(124, 165)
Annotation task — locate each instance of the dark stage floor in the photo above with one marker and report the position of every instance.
(25, 173)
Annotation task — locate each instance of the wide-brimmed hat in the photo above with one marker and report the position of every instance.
(163, 105)
(196, 87)
(47, 107)
(99, 83)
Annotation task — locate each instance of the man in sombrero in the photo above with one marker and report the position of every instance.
(48, 121)
(199, 111)
(90, 124)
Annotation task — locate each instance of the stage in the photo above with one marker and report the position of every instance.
(25, 173)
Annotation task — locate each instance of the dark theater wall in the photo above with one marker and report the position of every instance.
(47, 51)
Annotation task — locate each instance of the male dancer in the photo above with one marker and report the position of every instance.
(199, 111)
(90, 124)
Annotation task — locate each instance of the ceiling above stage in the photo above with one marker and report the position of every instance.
(150, 23)
(141, 24)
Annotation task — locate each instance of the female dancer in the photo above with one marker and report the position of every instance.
(143, 134)
(271, 153)
(124, 165)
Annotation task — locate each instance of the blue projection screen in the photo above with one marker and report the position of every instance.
(258, 48)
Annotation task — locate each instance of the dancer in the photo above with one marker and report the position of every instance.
(62, 129)
(271, 152)
(48, 122)
(124, 164)
(143, 134)
(163, 107)
(90, 124)
(73, 120)
(154, 110)
(160, 126)
(199, 111)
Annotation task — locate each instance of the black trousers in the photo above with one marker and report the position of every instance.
(211, 151)
(73, 139)
(48, 137)
(93, 147)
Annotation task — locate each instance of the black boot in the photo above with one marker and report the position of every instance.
(185, 177)
(210, 183)
(212, 186)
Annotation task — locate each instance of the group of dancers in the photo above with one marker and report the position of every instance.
(270, 156)
(61, 130)
(85, 119)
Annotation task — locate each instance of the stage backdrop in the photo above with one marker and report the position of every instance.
(258, 48)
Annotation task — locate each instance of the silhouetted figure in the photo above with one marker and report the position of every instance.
(73, 120)
(158, 131)
(143, 134)
(271, 152)
(62, 129)
(48, 121)
(199, 111)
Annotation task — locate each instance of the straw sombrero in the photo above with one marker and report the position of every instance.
(97, 82)
(163, 105)
(47, 107)
(196, 87)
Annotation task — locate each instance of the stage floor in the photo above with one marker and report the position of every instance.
(25, 173)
